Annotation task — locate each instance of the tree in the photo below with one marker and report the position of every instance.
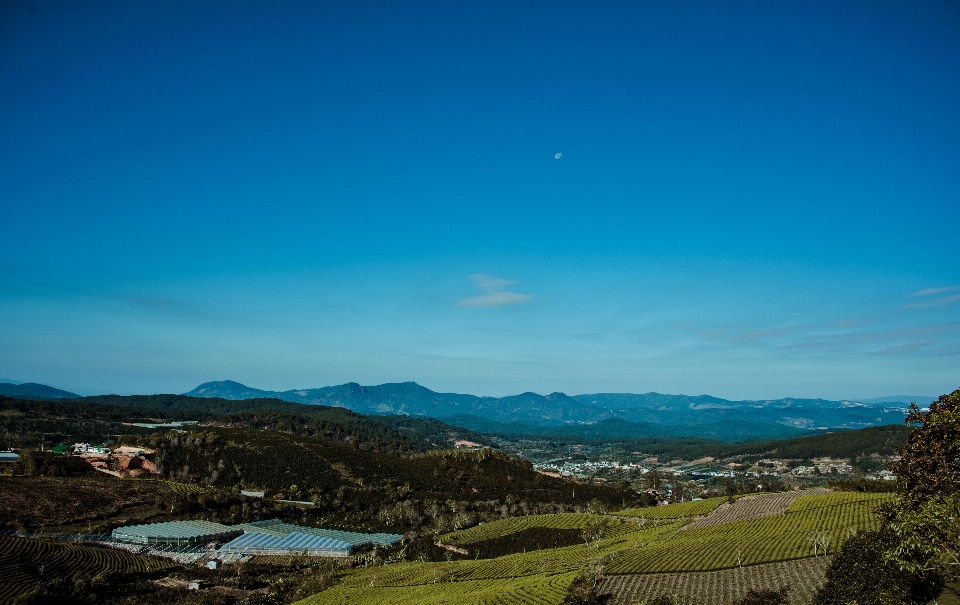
(654, 479)
(918, 544)
(860, 573)
(924, 520)
(678, 491)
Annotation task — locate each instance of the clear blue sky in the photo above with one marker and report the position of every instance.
(754, 199)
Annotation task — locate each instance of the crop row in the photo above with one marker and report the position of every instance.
(804, 503)
(722, 587)
(751, 507)
(548, 561)
(505, 527)
(538, 589)
(750, 542)
(25, 562)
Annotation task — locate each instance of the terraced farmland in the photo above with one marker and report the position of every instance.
(750, 542)
(675, 511)
(24, 563)
(723, 587)
(772, 547)
(806, 503)
(527, 590)
(504, 527)
(753, 507)
(536, 578)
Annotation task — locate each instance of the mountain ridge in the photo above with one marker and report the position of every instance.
(673, 414)
(34, 390)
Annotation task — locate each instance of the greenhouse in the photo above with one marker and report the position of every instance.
(255, 543)
(277, 528)
(176, 532)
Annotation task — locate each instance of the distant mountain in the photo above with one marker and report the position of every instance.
(10, 381)
(228, 389)
(921, 400)
(640, 414)
(32, 390)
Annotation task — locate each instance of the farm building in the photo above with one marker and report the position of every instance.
(256, 543)
(176, 532)
(277, 528)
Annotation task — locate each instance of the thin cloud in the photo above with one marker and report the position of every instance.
(933, 291)
(908, 347)
(490, 284)
(496, 299)
(936, 302)
(496, 295)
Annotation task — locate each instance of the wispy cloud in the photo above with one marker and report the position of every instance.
(496, 295)
(935, 291)
(936, 302)
(907, 347)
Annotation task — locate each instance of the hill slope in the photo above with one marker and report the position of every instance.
(33, 390)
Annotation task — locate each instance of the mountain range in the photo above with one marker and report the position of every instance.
(646, 414)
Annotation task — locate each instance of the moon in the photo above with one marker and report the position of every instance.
(558, 156)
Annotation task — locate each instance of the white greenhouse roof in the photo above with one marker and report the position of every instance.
(174, 531)
(259, 543)
(278, 528)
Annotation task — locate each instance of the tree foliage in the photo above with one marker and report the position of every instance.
(925, 520)
(919, 542)
(860, 573)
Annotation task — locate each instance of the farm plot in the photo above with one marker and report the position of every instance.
(751, 542)
(25, 563)
(752, 507)
(803, 577)
(505, 527)
(527, 590)
(675, 511)
(810, 502)
(537, 577)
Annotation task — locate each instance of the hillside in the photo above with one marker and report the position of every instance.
(369, 489)
(93, 419)
(32, 390)
(759, 541)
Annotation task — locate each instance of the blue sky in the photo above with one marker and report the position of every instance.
(753, 199)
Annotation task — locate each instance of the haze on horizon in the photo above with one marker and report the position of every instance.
(749, 200)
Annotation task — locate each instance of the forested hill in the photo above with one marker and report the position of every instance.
(372, 488)
(33, 390)
(881, 440)
(28, 420)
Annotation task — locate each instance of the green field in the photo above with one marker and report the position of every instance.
(805, 503)
(25, 563)
(537, 577)
(511, 525)
(675, 511)
(754, 541)
(541, 577)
